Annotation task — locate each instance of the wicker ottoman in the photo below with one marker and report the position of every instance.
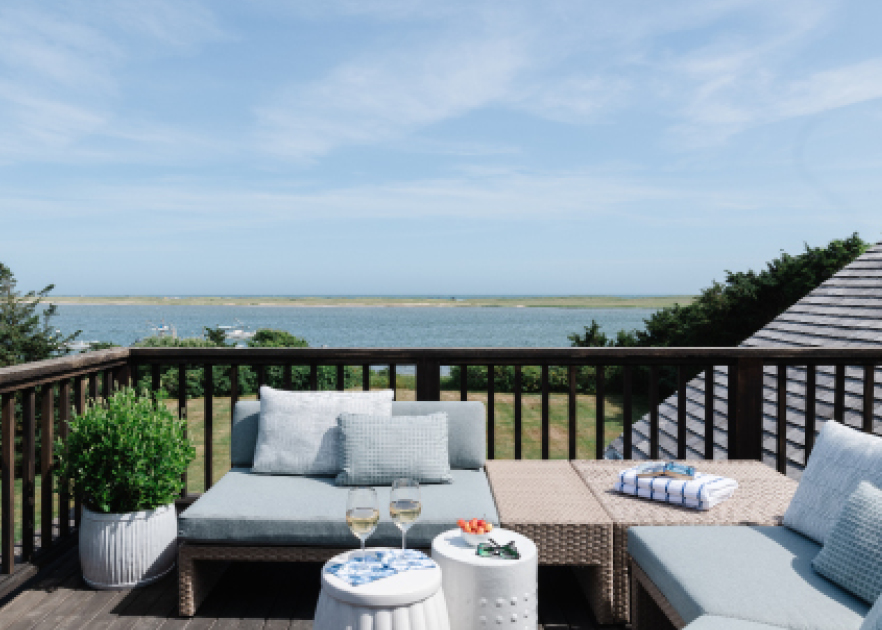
(547, 502)
(761, 499)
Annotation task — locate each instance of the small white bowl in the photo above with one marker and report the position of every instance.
(475, 539)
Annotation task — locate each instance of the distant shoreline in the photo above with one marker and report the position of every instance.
(585, 301)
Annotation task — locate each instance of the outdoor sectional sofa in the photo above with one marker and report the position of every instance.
(258, 517)
(765, 577)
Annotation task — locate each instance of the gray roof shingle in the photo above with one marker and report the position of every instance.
(844, 311)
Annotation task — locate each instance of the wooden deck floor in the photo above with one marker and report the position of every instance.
(268, 596)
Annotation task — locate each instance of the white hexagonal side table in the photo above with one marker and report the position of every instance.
(488, 593)
(412, 600)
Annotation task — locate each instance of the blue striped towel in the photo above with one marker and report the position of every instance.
(701, 493)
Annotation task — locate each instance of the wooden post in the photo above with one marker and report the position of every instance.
(747, 421)
(64, 489)
(47, 438)
(28, 455)
(428, 380)
(8, 516)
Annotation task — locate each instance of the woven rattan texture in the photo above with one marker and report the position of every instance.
(198, 566)
(652, 610)
(548, 502)
(761, 499)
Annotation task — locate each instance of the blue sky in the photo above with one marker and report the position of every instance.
(400, 146)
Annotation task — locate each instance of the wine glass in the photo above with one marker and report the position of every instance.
(405, 506)
(362, 513)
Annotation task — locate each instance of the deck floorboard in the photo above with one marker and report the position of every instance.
(250, 596)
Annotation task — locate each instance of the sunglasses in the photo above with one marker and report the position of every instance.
(493, 549)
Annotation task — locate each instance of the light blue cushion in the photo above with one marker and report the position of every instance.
(377, 450)
(250, 508)
(760, 574)
(852, 553)
(874, 617)
(713, 622)
(466, 423)
(841, 459)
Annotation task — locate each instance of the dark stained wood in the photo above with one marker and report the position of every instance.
(41, 372)
(732, 410)
(600, 411)
(572, 409)
(544, 419)
(64, 486)
(681, 412)
(182, 410)
(709, 420)
(393, 384)
(463, 382)
(29, 454)
(491, 411)
(234, 387)
(80, 408)
(261, 378)
(208, 425)
(107, 384)
(155, 380)
(811, 389)
(93, 386)
(288, 378)
(8, 491)
(781, 419)
(627, 411)
(341, 381)
(653, 411)
(47, 439)
(428, 380)
(748, 411)
(366, 377)
(839, 394)
(518, 410)
(313, 377)
(868, 397)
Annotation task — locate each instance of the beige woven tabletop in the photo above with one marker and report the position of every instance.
(762, 498)
(549, 503)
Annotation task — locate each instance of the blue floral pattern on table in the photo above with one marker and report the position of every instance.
(378, 565)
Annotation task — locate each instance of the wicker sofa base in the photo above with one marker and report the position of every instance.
(650, 609)
(200, 566)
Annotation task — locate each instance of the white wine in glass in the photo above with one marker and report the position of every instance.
(405, 506)
(362, 513)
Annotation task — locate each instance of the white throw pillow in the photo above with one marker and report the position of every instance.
(841, 459)
(297, 432)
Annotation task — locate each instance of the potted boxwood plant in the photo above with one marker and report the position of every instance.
(125, 456)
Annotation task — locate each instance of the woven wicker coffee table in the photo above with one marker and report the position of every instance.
(761, 499)
(547, 502)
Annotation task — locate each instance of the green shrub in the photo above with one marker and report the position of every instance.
(125, 454)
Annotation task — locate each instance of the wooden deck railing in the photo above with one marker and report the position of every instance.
(38, 399)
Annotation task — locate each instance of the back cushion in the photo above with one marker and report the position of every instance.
(467, 439)
(841, 459)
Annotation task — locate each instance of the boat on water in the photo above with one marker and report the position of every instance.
(237, 332)
(163, 330)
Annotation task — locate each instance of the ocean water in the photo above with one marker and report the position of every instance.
(358, 327)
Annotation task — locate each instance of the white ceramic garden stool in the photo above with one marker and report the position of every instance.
(412, 600)
(488, 593)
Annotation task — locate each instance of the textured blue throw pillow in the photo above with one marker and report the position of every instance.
(377, 450)
(852, 554)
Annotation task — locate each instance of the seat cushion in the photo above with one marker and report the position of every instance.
(249, 508)
(761, 574)
(713, 622)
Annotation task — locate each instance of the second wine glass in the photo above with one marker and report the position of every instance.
(405, 506)
(362, 513)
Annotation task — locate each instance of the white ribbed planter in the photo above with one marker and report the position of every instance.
(120, 551)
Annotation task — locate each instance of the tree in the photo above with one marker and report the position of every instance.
(26, 334)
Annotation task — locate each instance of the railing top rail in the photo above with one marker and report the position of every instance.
(512, 356)
(40, 372)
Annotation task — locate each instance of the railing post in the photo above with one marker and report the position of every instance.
(428, 380)
(746, 423)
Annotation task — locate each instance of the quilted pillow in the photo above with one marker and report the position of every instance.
(374, 451)
(841, 459)
(873, 620)
(297, 432)
(852, 554)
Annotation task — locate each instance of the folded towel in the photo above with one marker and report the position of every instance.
(702, 493)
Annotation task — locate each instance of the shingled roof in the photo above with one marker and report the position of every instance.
(844, 311)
